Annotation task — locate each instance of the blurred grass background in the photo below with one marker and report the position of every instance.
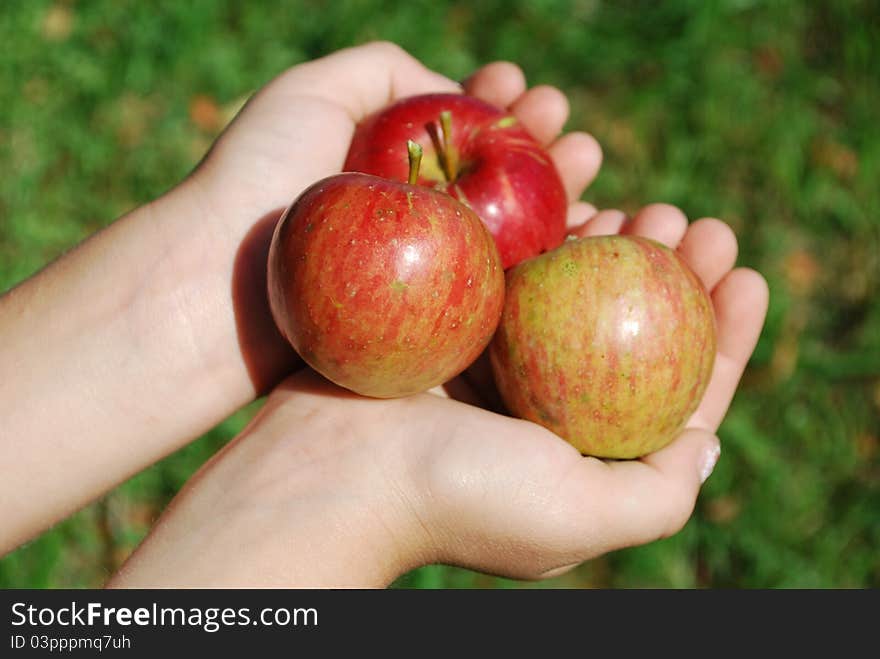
(761, 113)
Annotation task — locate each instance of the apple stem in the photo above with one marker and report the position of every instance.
(415, 161)
(446, 156)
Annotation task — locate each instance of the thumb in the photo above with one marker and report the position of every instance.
(654, 497)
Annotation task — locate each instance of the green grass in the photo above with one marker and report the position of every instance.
(761, 113)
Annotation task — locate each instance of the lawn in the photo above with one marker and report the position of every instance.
(760, 113)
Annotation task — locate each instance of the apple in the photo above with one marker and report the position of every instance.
(385, 288)
(607, 341)
(479, 154)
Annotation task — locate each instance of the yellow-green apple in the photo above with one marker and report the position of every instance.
(385, 288)
(479, 154)
(607, 341)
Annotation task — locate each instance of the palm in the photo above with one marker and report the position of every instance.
(708, 246)
(562, 501)
(505, 480)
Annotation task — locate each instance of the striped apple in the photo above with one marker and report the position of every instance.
(481, 155)
(607, 341)
(383, 287)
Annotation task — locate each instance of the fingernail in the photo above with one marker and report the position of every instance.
(710, 457)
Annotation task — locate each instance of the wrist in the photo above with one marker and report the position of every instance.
(342, 460)
(311, 494)
(215, 258)
(95, 338)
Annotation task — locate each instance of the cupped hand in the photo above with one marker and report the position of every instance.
(296, 130)
(525, 504)
(539, 508)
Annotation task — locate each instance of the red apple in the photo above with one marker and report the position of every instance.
(609, 342)
(385, 288)
(480, 155)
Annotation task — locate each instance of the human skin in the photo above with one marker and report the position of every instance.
(156, 328)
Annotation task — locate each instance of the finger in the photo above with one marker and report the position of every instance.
(498, 83)
(604, 223)
(579, 212)
(661, 222)
(543, 110)
(363, 79)
(578, 157)
(740, 302)
(709, 247)
(639, 501)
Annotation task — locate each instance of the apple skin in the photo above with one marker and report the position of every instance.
(385, 288)
(503, 173)
(607, 341)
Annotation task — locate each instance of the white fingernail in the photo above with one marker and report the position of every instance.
(710, 457)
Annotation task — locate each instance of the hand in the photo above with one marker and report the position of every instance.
(297, 129)
(291, 133)
(332, 489)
